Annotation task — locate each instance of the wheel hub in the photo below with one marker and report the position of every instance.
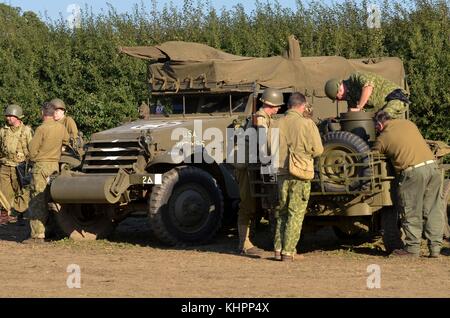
(190, 209)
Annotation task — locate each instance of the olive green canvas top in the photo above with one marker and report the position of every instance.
(178, 65)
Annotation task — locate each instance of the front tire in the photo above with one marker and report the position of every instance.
(187, 208)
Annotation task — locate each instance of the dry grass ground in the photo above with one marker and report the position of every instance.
(132, 264)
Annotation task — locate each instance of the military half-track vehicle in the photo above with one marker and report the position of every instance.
(145, 165)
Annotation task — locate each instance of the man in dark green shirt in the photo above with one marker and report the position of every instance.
(419, 183)
(369, 91)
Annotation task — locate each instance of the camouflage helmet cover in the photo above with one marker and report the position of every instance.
(58, 103)
(332, 88)
(272, 97)
(14, 110)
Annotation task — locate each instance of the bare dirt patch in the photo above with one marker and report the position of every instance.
(133, 264)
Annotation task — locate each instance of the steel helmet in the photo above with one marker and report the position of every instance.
(272, 97)
(332, 88)
(14, 110)
(58, 103)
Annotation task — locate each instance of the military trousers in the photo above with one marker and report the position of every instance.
(395, 108)
(419, 192)
(293, 195)
(40, 195)
(247, 209)
(16, 196)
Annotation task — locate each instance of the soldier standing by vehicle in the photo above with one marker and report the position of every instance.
(144, 111)
(67, 121)
(299, 137)
(419, 183)
(45, 152)
(14, 140)
(272, 99)
(371, 91)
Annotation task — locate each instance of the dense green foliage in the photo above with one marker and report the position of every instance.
(45, 59)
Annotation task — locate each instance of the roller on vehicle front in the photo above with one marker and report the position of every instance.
(97, 189)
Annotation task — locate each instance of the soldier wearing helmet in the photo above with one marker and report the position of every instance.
(14, 140)
(67, 121)
(272, 100)
(371, 91)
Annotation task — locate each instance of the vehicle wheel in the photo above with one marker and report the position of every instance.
(86, 221)
(338, 148)
(390, 229)
(446, 209)
(187, 207)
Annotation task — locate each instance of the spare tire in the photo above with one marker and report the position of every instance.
(339, 147)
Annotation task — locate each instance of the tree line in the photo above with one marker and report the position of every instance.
(43, 58)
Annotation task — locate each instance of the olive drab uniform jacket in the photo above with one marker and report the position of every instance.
(262, 119)
(71, 127)
(14, 143)
(299, 134)
(382, 88)
(265, 123)
(46, 145)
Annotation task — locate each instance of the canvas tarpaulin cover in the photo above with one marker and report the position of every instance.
(183, 65)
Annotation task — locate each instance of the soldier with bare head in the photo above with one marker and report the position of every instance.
(45, 152)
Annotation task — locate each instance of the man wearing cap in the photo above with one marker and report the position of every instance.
(369, 91)
(67, 121)
(418, 183)
(45, 152)
(14, 140)
(272, 100)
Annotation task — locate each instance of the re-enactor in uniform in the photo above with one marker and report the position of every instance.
(419, 183)
(45, 152)
(14, 140)
(272, 99)
(66, 121)
(369, 91)
(299, 135)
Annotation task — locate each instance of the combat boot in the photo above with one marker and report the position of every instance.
(291, 258)
(4, 218)
(252, 252)
(402, 253)
(277, 255)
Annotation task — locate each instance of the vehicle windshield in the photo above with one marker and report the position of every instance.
(200, 104)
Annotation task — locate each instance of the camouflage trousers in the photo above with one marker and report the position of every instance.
(247, 209)
(17, 196)
(294, 195)
(40, 195)
(395, 108)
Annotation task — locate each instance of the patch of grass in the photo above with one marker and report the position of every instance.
(97, 244)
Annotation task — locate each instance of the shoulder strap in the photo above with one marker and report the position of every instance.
(24, 129)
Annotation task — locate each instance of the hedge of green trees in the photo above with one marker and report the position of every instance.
(41, 59)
